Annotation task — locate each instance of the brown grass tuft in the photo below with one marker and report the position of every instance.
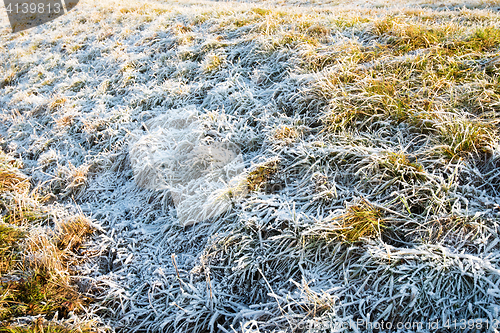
(262, 173)
(11, 180)
(286, 134)
(72, 232)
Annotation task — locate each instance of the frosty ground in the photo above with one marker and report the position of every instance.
(368, 135)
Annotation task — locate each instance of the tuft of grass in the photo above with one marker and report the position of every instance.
(261, 11)
(9, 246)
(398, 165)
(8, 78)
(261, 175)
(23, 211)
(57, 103)
(20, 207)
(318, 31)
(287, 40)
(409, 36)
(36, 293)
(361, 220)
(180, 29)
(11, 180)
(42, 326)
(414, 37)
(64, 121)
(72, 232)
(35, 262)
(349, 116)
(482, 40)
(447, 229)
(286, 134)
(212, 62)
(464, 137)
(71, 180)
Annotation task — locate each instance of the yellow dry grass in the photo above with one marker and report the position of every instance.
(36, 261)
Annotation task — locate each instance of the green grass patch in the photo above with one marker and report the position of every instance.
(464, 137)
(35, 273)
(49, 327)
(10, 238)
(483, 39)
(399, 166)
(361, 220)
(35, 293)
(407, 36)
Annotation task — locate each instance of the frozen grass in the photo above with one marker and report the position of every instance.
(37, 261)
(369, 135)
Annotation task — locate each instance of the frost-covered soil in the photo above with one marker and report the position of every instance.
(368, 134)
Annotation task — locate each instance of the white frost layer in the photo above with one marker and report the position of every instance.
(176, 154)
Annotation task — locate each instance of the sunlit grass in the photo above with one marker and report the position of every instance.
(398, 165)
(35, 263)
(368, 134)
(360, 221)
(462, 137)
